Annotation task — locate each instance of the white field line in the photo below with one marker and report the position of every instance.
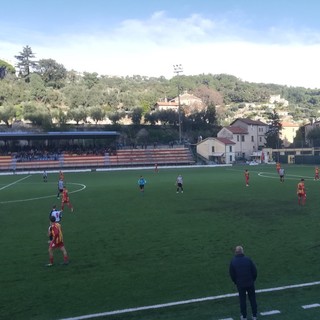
(83, 186)
(309, 306)
(11, 184)
(269, 313)
(116, 169)
(271, 175)
(170, 304)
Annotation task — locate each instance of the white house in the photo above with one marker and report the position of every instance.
(251, 139)
(277, 99)
(220, 150)
(166, 105)
(188, 103)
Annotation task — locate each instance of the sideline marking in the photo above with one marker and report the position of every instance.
(309, 306)
(170, 304)
(268, 313)
(11, 184)
(272, 175)
(45, 197)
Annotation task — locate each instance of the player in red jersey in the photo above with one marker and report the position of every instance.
(301, 192)
(56, 242)
(316, 173)
(278, 166)
(246, 176)
(66, 199)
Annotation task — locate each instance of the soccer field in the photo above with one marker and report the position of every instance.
(146, 256)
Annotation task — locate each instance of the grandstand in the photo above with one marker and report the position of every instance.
(121, 158)
(101, 154)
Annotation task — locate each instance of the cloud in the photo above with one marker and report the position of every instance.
(150, 47)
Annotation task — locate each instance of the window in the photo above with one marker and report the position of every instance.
(260, 139)
(230, 148)
(252, 138)
(212, 149)
(238, 138)
(230, 158)
(242, 138)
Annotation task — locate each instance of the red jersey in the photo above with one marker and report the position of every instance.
(65, 195)
(57, 237)
(301, 189)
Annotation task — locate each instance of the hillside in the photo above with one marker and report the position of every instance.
(50, 96)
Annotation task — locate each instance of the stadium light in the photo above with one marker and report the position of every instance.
(177, 69)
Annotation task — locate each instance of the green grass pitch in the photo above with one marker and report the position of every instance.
(129, 249)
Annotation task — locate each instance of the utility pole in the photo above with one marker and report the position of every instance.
(177, 69)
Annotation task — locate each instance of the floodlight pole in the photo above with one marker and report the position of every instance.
(177, 68)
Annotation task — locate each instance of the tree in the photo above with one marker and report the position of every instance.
(75, 96)
(150, 117)
(52, 73)
(314, 137)
(111, 99)
(209, 96)
(210, 114)
(26, 64)
(78, 114)
(115, 117)
(168, 117)
(94, 97)
(136, 115)
(39, 115)
(7, 114)
(38, 90)
(273, 135)
(127, 100)
(300, 138)
(90, 79)
(61, 116)
(13, 92)
(97, 114)
(5, 68)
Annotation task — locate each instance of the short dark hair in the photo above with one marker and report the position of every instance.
(53, 219)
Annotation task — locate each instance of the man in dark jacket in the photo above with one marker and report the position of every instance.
(243, 273)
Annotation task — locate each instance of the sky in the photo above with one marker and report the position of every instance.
(274, 41)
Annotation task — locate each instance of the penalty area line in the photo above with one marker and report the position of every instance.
(177, 303)
(11, 184)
